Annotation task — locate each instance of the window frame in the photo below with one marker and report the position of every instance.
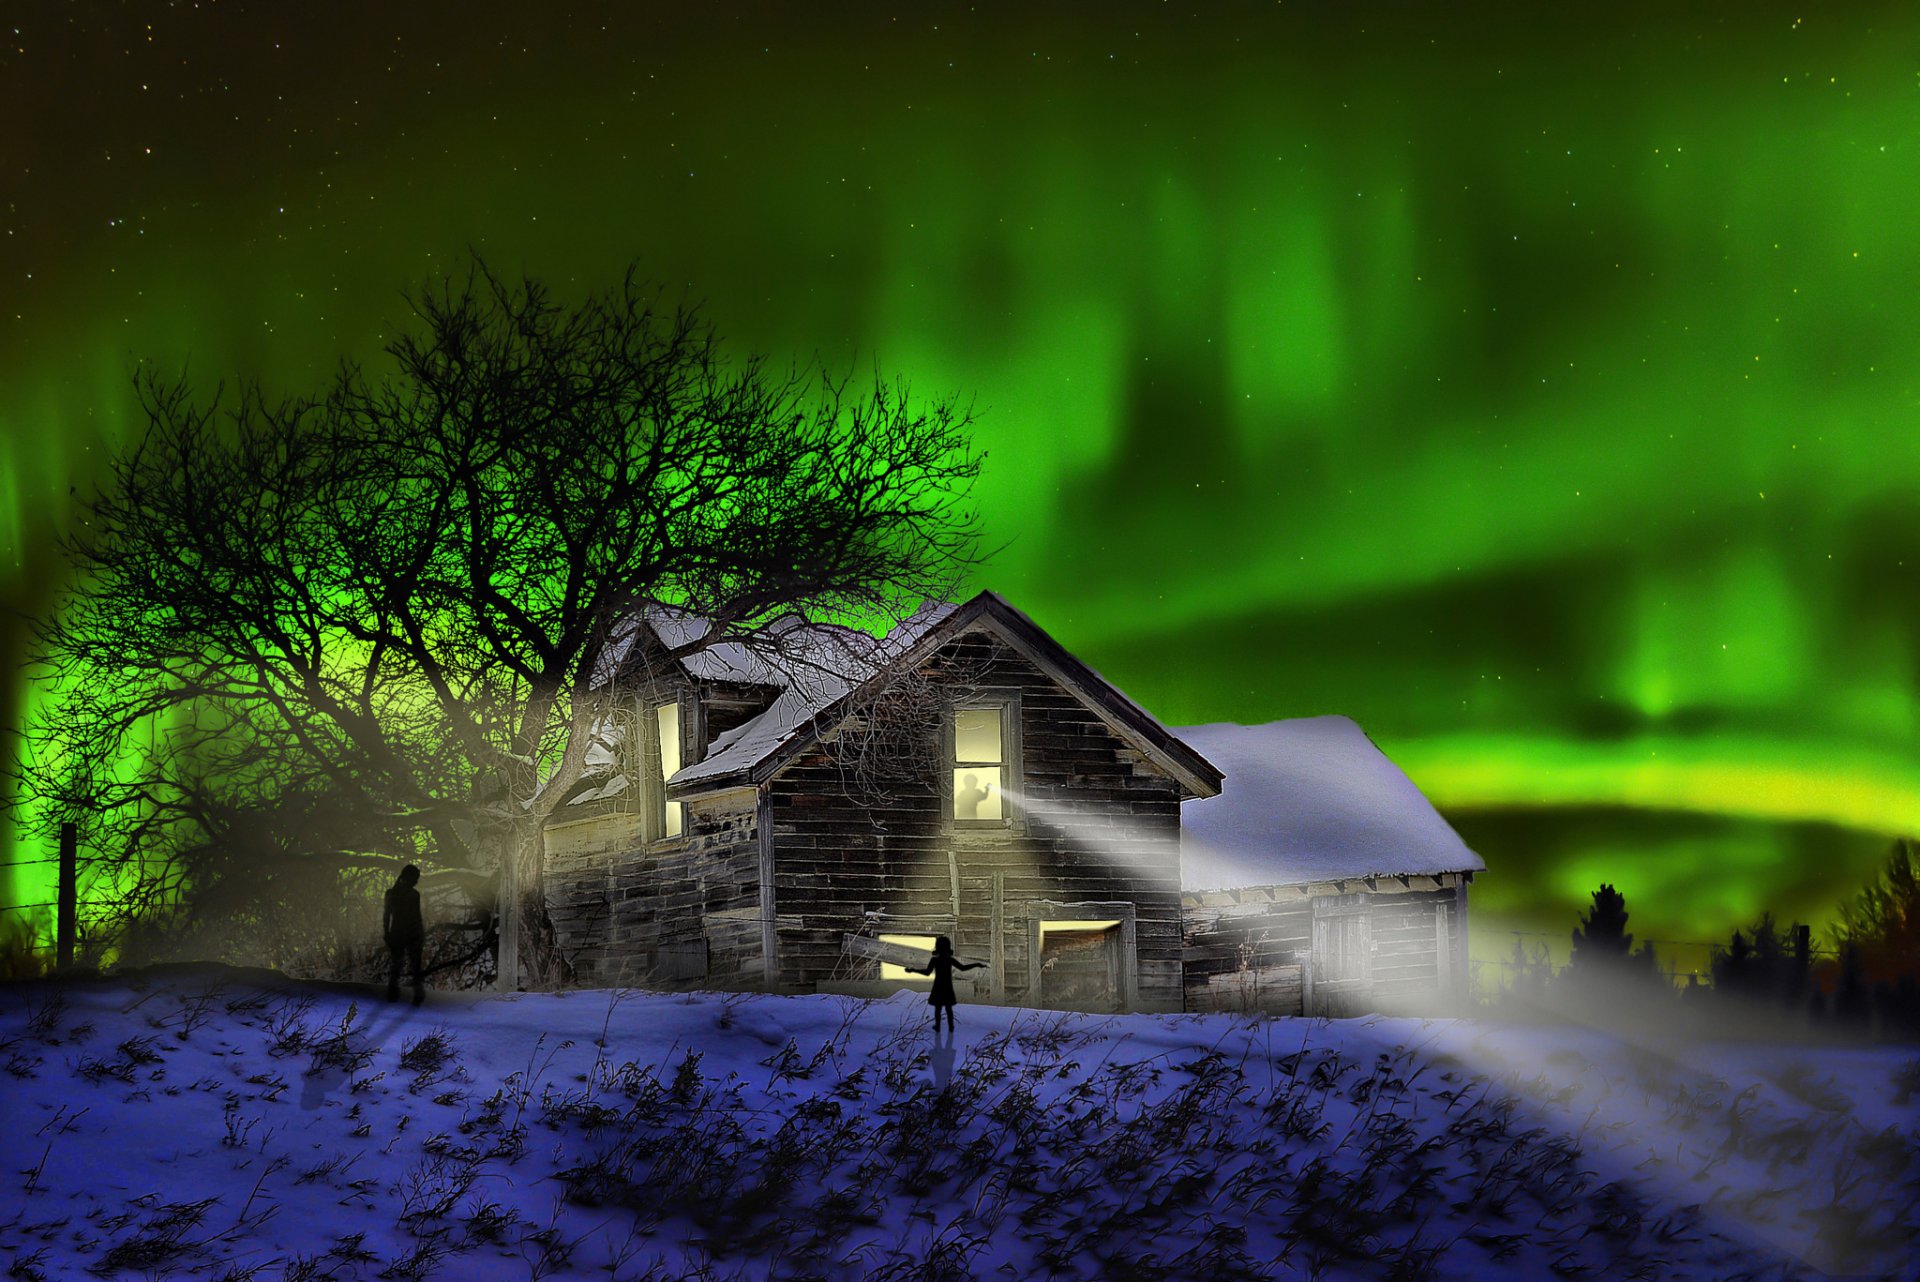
(1124, 913)
(1011, 763)
(906, 941)
(657, 809)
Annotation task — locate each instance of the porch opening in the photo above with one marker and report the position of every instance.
(1080, 965)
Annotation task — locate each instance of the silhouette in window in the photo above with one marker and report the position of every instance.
(969, 795)
(941, 966)
(406, 932)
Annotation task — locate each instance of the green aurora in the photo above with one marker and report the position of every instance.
(1541, 393)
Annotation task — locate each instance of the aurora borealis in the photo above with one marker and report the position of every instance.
(1540, 391)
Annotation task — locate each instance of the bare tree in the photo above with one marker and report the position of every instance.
(375, 623)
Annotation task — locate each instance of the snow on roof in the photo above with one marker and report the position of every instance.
(1311, 799)
(726, 660)
(817, 666)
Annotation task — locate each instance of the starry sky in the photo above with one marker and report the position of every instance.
(1538, 390)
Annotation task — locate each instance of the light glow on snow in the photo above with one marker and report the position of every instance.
(492, 1128)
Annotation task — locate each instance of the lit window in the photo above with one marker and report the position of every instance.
(888, 970)
(979, 765)
(667, 720)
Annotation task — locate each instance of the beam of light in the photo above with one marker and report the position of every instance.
(1093, 830)
(1674, 1048)
(895, 971)
(1661, 1040)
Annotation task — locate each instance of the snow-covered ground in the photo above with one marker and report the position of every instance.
(229, 1125)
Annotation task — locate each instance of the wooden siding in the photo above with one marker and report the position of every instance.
(1253, 949)
(844, 862)
(680, 912)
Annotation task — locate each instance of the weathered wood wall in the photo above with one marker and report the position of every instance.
(1105, 826)
(670, 912)
(1251, 949)
(683, 912)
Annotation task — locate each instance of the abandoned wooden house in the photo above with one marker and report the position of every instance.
(806, 811)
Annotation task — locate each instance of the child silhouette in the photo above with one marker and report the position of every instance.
(941, 966)
(969, 798)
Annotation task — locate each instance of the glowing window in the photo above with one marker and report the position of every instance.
(979, 764)
(667, 720)
(890, 971)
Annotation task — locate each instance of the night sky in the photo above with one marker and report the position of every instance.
(1539, 391)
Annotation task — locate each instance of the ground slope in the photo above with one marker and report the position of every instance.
(223, 1124)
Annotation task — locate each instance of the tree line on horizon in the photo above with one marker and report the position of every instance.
(1868, 980)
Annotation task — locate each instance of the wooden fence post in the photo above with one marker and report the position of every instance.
(69, 895)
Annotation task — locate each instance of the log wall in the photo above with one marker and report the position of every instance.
(683, 912)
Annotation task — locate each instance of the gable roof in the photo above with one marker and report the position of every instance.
(767, 657)
(811, 704)
(804, 663)
(812, 681)
(1311, 799)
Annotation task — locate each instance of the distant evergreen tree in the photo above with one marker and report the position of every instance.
(1852, 1002)
(1529, 976)
(1767, 973)
(1733, 969)
(1604, 943)
(1884, 918)
(1799, 967)
(1646, 962)
(1603, 952)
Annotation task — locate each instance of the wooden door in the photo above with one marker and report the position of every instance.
(1342, 960)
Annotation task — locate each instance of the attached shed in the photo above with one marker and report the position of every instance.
(1320, 880)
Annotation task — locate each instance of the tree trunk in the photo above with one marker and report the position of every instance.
(530, 955)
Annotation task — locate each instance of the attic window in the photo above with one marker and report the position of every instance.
(982, 764)
(667, 726)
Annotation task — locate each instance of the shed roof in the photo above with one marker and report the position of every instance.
(1310, 799)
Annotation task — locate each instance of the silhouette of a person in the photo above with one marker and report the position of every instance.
(941, 966)
(406, 932)
(966, 801)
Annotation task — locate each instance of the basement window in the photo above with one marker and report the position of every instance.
(982, 765)
(889, 971)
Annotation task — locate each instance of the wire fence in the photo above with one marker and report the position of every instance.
(1680, 977)
(1710, 945)
(32, 943)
